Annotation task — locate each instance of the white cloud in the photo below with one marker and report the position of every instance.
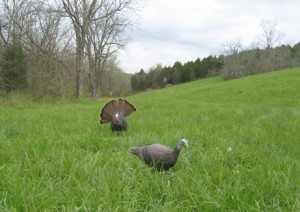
(176, 30)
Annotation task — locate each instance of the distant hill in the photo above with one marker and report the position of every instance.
(272, 88)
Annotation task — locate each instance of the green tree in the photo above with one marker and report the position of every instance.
(165, 75)
(13, 72)
(138, 81)
(187, 73)
(175, 74)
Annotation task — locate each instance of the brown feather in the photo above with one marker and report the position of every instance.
(120, 106)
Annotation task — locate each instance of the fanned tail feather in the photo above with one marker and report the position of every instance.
(120, 106)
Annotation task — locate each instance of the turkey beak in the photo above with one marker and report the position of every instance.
(185, 145)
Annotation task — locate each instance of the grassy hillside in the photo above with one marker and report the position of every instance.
(243, 155)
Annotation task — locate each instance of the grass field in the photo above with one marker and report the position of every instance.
(243, 155)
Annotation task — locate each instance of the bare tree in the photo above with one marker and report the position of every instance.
(107, 35)
(232, 62)
(40, 32)
(88, 17)
(232, 47)
(269, 36)
(81, 13)
(10, 16)
(45, 39)
(114, 82)
(99, 29)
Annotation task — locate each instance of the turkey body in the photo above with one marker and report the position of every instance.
(114, 112)
(119, 124)
(159, 156)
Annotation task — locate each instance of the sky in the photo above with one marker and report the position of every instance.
(184, 30)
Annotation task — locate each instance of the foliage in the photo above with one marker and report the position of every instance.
(13, 68)
(138, 81)
(256, 60)
(115, 83)
(53, 65)
(178, 73)
(235, 63)
(243, 154)
(62, 49)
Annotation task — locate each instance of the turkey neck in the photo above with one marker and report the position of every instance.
(176, 153)
(138, 151)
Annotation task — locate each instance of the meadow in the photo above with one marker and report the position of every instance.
(243, 155)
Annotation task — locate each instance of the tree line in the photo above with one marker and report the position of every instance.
(240, 63)
(67, 48)
(265, 55)
(236, 63)
(178, 73)
(64, 48)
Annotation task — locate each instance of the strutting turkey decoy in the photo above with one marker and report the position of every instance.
(114, 112)
(159, 156)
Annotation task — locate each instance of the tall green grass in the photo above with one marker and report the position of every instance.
(244, 150)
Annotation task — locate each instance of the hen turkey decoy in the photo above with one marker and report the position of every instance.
(114, 112)
(158, 155)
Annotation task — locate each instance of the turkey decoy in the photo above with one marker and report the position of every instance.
(158, 155)
(114, 112)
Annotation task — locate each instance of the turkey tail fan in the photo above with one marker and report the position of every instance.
(107, 112)
(125, 108)
(113, 107)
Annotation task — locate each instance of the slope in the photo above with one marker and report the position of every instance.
(243, 156)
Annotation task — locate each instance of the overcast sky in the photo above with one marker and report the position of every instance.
(184, 30)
